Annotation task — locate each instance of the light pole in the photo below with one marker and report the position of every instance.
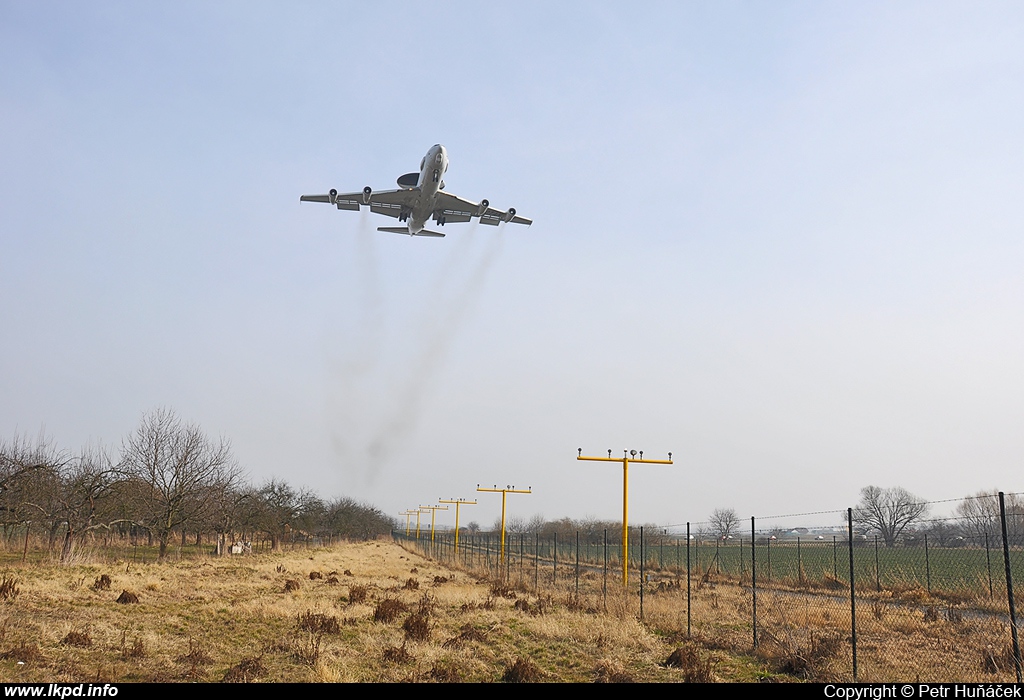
(504, 492)
(458, 502)
(627, 458)
(433, 511)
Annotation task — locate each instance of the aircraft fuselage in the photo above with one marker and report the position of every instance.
(432, 169)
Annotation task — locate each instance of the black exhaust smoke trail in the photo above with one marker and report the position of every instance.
(440, 323)
(356, 366)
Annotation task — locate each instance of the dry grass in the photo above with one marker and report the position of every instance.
(696, 667)
(611, 672)
(9, 588)
(522, 670)
(229, 618)
(245, 671)
(75, 638)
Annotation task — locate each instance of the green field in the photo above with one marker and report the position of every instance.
(958, 572)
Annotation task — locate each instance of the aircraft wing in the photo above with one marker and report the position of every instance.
(387, 202)
(456, 209)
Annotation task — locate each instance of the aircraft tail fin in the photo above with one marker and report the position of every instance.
(405, 230)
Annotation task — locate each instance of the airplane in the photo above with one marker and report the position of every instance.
(420, 199)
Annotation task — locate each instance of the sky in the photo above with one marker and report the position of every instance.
(779, 240)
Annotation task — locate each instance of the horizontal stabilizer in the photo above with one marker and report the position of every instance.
(405, 230)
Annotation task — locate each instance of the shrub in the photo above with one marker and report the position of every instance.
(388, 610)
(318, 623)
(127, 597)
(417, 627)
(522, 670)
(397, 655)
(357, 594)
(245, 671)
(77, 639)
(696, 669)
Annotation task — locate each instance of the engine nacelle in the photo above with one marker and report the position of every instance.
(510, 215)
(483, 207)
(333, 196)
(366, 194)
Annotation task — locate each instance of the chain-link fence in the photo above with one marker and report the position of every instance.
(934, 601)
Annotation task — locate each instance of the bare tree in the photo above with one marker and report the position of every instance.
(349, 518)
(889, 511)
(979, 515)
(276, 508)
(29, 474)
(176, 473)
(724, 523)
(82, 489)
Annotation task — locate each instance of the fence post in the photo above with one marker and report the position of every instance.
(536, 562)
(988, 561)
(799, 563)
(753, 580)
(522, 554)
(835, 560)
(927, 566)
(604, 587)
(1009, 588)
(853, 594)
(878, 576)
(687, 580)
(643, 555)
(554, 562)
(577, 567)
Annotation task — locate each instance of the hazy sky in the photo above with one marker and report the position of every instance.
(781, 240)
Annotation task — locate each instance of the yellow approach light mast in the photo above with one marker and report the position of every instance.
(458, 502)
(408, 519)
(504, 492)
(418, 512)
(627, 458)
(433, 511)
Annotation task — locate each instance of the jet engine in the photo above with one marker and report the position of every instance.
(483, 207)
(366, 194)
(510, 215)
(333, 196)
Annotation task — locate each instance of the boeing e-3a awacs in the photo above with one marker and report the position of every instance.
(420, 199)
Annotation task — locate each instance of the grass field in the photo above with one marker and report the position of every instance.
(359, 612)
(373, 612)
